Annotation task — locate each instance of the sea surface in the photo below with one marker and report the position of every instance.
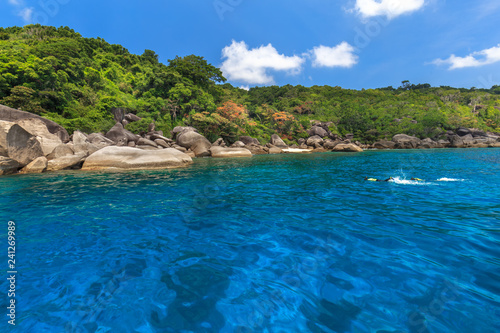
(280, 243)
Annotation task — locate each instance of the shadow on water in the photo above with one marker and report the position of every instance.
(198, 288)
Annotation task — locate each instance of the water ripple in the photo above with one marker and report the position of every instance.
(268, 244)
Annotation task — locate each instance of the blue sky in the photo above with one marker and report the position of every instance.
(349, 43)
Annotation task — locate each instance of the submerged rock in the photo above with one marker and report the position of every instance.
(127, 158)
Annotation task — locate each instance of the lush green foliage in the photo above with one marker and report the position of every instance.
(75, 81)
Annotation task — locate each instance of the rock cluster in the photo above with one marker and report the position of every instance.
(35, 145)
(460, 138)
(322, 139)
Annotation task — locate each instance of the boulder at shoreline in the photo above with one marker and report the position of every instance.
(8, 166)
(349, 147)
(230, 152)
(18, 144)
(128, 158)
(14, 115)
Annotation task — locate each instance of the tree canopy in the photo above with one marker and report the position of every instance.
(75, 81)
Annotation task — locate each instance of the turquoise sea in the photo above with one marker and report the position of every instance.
(281, 243)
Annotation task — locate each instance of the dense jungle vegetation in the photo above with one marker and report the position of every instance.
(75, 81)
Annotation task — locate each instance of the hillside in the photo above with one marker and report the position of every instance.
(75, 81)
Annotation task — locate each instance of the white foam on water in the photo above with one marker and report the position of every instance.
(402, 181)
(444, 179)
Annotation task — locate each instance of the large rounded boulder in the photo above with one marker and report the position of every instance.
(248, 140)
(347, 147)
(8, 166)
(128, 158)
(13, 115)
(230, 152)
(318, 130)
(277, 141)
(38, 128)
(18, 144)
(404, 141)
(194, 141)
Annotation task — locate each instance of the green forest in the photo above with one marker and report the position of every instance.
(75, 81)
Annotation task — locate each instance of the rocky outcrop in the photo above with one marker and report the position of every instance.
(38, 128)
(127, 158)
(384, 144)
(118, 135)
(403, 141)
(99, 140)
(37, 166)
(315, 141)
(230, 152)
(428, 143)
(349, 147)
(181, 129)
(162, 143)
(60, 151)
(8, 166)
(18, 144)
(66, 162)
(146, 142)
(257, 149)
(277, 141)
(219, 142)
(130, 117)
(318, 131)
(462, 131)
(190, 139)
(13, 115)
(238, 144)
(330, 144)
(247, 140)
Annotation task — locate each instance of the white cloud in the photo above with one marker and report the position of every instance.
(26, 14)
(388, 8)
(475, 59)
(247, 88)
(341, 55)
(252, 65)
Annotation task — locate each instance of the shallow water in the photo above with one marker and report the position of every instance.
(283, 243)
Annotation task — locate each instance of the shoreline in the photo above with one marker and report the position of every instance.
(29, 145)
(118, 170)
